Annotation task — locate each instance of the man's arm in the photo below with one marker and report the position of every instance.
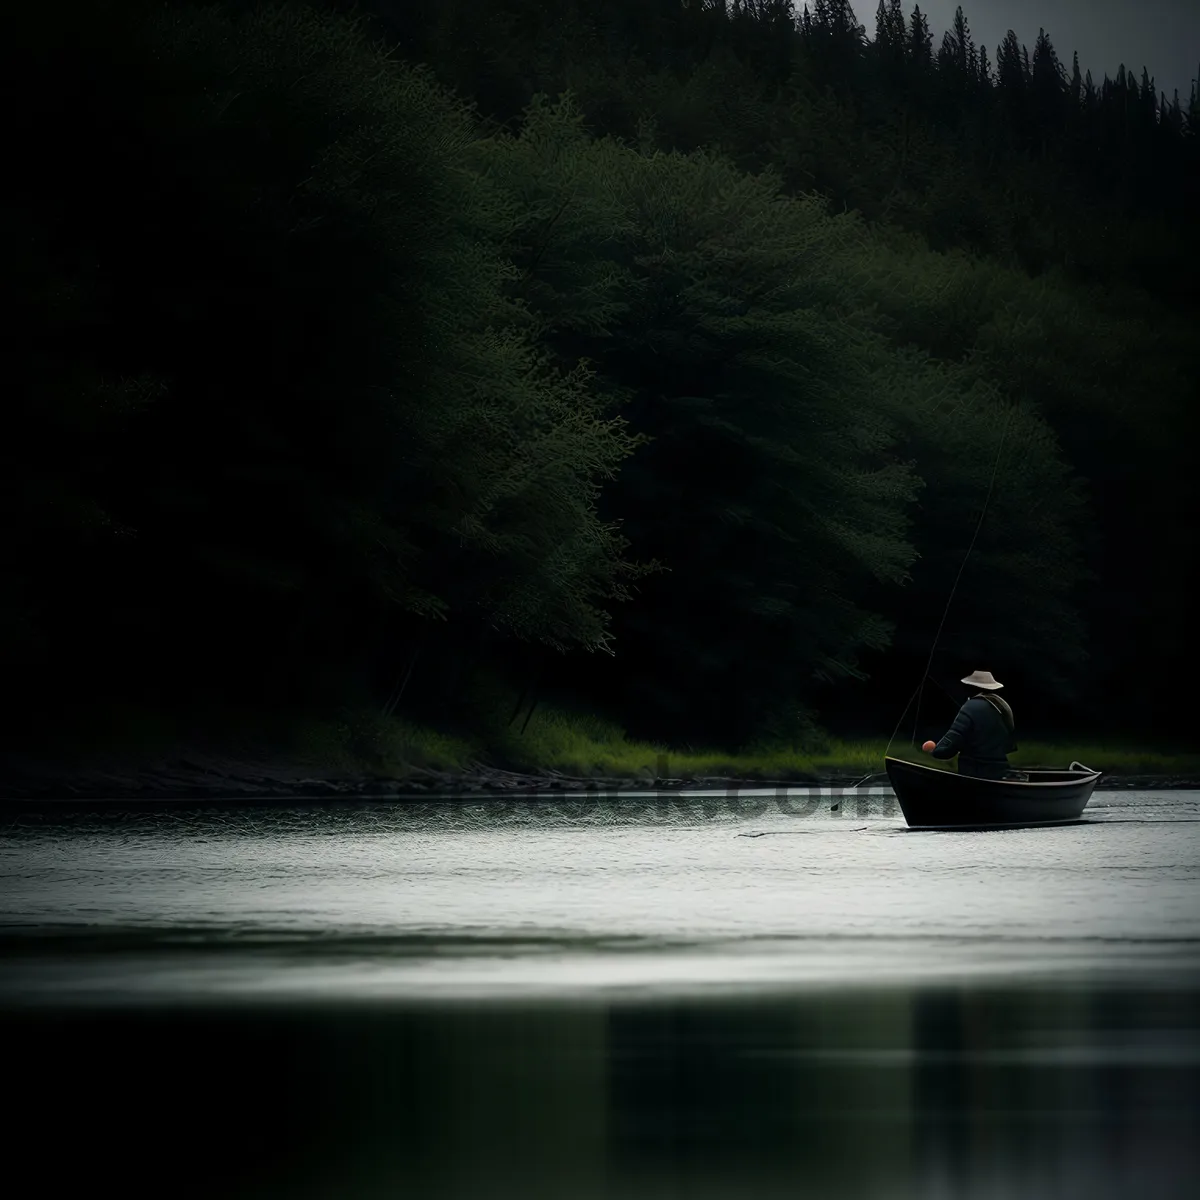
(956, 735)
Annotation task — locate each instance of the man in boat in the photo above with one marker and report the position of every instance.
(982, 733)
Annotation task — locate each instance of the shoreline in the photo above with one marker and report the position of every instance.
(232, 781)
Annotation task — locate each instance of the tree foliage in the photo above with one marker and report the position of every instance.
(1032, 173)
(698, 334)
(273, 385)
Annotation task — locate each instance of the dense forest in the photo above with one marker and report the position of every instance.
(657, 356)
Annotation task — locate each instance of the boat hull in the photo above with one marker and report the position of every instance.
(935, 799)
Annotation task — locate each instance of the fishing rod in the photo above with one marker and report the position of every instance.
(949, 601)
(949, 696)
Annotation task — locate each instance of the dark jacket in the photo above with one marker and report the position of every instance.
(981, 736)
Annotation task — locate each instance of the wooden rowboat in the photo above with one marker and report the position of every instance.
(934, 799)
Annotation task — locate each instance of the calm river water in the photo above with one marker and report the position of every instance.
(706, 997)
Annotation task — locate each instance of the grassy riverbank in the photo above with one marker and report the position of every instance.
(587, 746)
(127, 748)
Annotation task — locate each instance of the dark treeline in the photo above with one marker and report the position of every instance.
(653, 355)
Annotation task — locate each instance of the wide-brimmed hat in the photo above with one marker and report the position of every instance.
(982, 679)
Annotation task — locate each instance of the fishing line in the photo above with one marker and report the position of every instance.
(945, 612)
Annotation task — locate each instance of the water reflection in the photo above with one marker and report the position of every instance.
(187, 1003)
(953, 1092)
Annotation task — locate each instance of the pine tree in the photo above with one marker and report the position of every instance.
(1048, 86)
(1010, 74)
(1076, 83)
(1045, 58)
(889, 40)
(1130, 97)
(1148, 110)
(920, 40)
(835, 40)
(835, 20)
(946, 55)
(966, 57)
(883, 26)
(1012, 86)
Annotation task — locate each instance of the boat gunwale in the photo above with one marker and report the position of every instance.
(1080, 777)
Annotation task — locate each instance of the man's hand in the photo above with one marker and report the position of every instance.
(929, 746)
